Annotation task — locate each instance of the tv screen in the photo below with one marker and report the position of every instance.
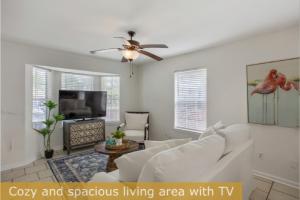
(82, 104)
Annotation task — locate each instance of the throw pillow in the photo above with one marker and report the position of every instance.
(212, 129)
(219, 125)
(209, 131)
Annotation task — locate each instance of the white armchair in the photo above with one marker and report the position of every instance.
(136, 126)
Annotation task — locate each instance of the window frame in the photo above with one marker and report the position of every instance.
(174, 101)
(101, 85)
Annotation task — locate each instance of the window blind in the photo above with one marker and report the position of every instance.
(39, 93)
(111, 84)
(191, 100)
(71, 81)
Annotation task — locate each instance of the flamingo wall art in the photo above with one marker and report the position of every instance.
(273, 93)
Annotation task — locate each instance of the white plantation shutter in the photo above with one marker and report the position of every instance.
(77, 82)
(191, 99)
(39, 93)
(111, 84)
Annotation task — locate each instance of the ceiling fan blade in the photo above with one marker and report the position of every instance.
(105, 50)
(124, 59)
(126, 46)
(143, 46)
(151, 55)
(124, 39)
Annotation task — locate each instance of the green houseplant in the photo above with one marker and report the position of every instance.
(118, 135)
(50, 124)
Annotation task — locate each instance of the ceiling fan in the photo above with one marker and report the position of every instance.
(132, 49)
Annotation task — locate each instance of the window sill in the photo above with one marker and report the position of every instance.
(188, 131)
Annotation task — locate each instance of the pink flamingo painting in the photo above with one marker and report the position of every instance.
(271, 83)
(273, 92)
(268, 86)
(284, 84)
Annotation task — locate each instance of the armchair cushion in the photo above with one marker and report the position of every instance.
(136, 121)
(136, 135)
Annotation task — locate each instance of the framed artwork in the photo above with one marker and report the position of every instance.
(273, 93)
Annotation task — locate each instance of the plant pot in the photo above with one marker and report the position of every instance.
(118, 141)
(49, 154)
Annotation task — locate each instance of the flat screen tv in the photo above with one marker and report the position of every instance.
(82, 104)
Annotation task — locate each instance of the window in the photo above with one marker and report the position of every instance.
(39, 94)
(191, 99)
(111, 84)
(76, 82)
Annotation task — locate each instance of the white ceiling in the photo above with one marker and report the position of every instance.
(184, 25)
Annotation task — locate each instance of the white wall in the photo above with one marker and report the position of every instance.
(19, 144)
(227, 98)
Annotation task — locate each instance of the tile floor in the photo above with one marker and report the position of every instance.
(40, 171)
(36, 171)
(268, 190)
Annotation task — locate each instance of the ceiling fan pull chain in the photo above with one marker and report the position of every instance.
(131, 69)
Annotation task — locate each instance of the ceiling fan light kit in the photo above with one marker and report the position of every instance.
(130, 54)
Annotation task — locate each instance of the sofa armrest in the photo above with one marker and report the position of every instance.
(103, 177)
(146, 137)
(121, 126)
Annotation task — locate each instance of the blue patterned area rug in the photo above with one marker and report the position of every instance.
(78, 167)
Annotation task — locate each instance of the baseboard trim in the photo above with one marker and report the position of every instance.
(18, 164)
(277, 179)
(28, 161)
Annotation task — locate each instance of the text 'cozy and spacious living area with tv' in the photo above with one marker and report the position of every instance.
(137, 99)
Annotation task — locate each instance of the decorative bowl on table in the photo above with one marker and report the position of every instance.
(124, 145)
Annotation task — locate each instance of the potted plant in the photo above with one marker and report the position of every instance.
(118, 135)
(50, 124)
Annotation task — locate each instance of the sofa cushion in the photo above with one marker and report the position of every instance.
(103, 177)
(185, 162)
(136, 121)
(131, 164)
(171, 142)
(234, 135)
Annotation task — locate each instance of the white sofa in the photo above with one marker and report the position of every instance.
(235, 166)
